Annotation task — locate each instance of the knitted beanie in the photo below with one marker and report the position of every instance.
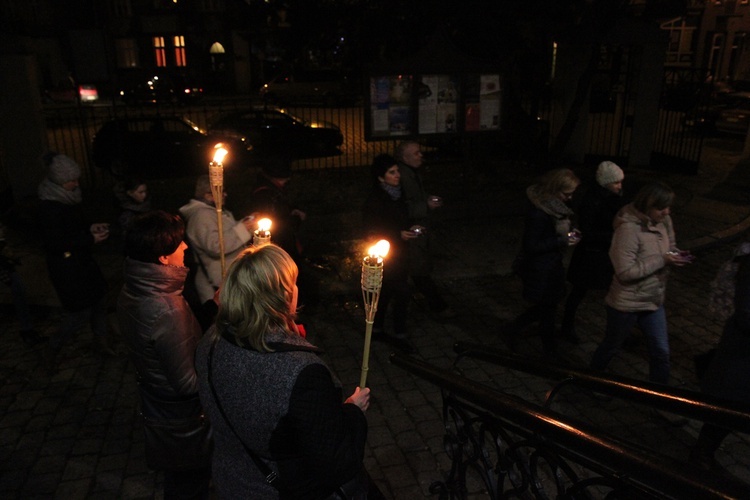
(608, 172)
(63, 169)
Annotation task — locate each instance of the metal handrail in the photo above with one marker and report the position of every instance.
(625, 462)
(691, 404)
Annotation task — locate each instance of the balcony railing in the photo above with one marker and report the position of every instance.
(513, 448)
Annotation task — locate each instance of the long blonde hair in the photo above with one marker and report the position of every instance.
(257, 296)
(557, 181)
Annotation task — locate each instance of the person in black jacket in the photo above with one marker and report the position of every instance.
(728, 373)
(271, 199)
(68, 242)
(385, 216)
(547, 235)
(590, 267)
(162, 333)
(272, 401)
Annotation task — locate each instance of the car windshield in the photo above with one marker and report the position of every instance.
(293, 117)
(194, 126)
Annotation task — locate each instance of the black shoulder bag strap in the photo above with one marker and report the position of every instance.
(271, 476)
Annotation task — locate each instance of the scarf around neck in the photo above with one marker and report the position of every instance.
(393, 191)
(48, 190)
(554, 207)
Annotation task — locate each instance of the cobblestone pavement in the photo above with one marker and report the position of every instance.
(74, 433)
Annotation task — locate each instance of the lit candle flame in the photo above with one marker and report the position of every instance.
(264, 225)
(220, 153)
(380, 249)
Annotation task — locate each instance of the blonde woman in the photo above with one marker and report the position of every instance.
(547, 234)
(273, 403)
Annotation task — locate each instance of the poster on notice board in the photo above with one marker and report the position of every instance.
(408, 105)
(390, 105)
(438, 104)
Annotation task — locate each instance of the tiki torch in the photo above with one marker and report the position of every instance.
(372, 282)
(262, 235)
(216, 176)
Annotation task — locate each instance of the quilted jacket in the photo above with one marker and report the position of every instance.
(160, 329)
(637, 254)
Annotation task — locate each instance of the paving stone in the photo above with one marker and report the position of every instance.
(78, 467)
(74, 489)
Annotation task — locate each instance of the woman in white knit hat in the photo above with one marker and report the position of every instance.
(68, 241)
(590, 267)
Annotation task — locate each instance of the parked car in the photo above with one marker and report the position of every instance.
(162, 89)
(274, 131)
(702, 117)
(68, 92)
(329, 88)
(735, 118)
(161, 146)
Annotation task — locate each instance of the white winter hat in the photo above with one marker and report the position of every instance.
(608, 172)
(63, 169)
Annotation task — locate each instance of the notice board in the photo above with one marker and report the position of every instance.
(400, 105)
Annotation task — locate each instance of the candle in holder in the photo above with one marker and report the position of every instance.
(262, 235)
(372, 282)
(216, 177)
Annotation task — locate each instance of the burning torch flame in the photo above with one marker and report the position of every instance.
(264, 224)
(380, 249)
(220, 153)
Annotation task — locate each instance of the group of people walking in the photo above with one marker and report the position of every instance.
(227, 384)
(626, 249)
(230, 388)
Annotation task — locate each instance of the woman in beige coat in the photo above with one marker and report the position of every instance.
(643, 248)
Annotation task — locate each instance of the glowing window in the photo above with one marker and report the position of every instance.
(179, 51)
(160, 52)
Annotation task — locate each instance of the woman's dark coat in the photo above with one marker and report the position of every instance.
(385, 218)
(68, 243)
(542, 273)
(590, 266)
(728, 374)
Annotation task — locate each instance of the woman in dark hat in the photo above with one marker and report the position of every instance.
(271, 199)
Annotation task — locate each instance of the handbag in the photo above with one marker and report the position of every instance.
(173, 440)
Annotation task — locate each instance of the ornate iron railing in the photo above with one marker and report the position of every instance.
(684, 402)
(511, 448)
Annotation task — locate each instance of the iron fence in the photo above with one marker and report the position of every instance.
(71, 130)
(510, 447)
